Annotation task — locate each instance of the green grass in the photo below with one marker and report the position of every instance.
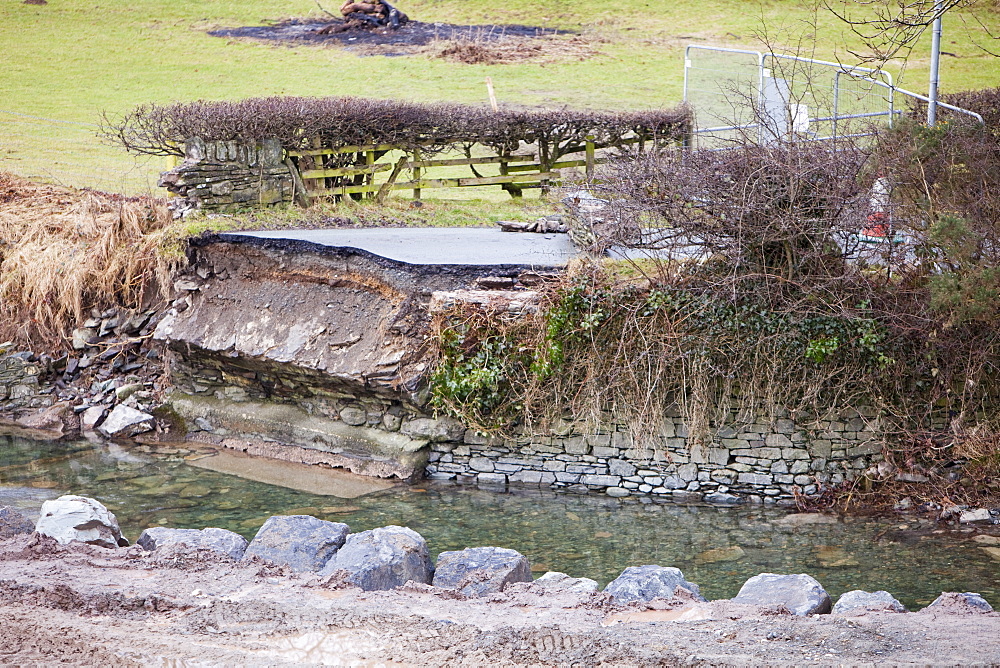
(71, 60)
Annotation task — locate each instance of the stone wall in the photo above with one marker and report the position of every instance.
(19, 386)
(769, 461)
(224, 175)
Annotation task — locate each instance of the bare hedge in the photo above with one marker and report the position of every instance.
(154, 129)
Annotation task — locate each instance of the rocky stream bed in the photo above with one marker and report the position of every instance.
(307, 592)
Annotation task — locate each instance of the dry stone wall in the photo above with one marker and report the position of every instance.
(223, 175)
(766, 462)
(19, 385)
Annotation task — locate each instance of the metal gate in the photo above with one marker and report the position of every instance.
(739, 96)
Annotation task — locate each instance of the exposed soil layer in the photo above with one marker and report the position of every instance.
(85, 605)
(409, 35)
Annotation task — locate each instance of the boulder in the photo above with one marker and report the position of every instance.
(383, 558)
(959, 604)
(125, 422)
(644, 583)
(478, 571)
(556, 581)
(71, 517)
(801, 594)
(858, 600)
(13, 523)
(222, 541)
(301, 542)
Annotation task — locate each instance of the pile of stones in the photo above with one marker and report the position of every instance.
(390, 557)
(108, 384)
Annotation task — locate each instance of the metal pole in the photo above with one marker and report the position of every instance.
(935, 63)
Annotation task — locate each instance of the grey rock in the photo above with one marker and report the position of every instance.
(79, 518)
(723, 498)
(13, 523)
(218, 540)
(353, 416)
(443, 429)
(92, 417)
(383, 558)
(477, 571)
(301, 542)
(975, 515)
(801, 594)
(864, 600)
(644, 583)
(556, 581)
(125, 422)
(959, 603)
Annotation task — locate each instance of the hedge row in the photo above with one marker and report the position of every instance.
(348, 121)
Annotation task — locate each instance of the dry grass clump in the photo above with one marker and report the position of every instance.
(64, 251)
(511, 50)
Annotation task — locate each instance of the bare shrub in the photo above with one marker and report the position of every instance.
(348, 121)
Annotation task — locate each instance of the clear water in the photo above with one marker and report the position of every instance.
(591, 536)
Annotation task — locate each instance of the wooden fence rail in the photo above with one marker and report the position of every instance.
(374, 170)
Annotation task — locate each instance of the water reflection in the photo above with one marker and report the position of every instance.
(592, 536)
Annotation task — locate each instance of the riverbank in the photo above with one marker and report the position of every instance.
(87, 605)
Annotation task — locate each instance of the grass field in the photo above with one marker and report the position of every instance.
(68, 61)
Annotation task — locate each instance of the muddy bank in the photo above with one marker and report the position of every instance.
(87, 605)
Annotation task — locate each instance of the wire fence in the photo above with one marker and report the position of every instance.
(70, 153)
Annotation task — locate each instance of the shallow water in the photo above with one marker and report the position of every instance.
(592, 536)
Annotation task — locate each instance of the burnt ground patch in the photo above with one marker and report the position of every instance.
(411, 37)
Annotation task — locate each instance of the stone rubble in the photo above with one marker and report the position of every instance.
(800, 594)
(858, 600)
(222, 541)
(645, 583)
(13, 523)
(383, 558)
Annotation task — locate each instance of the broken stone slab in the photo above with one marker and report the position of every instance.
(859, 601)
(222, 541)
(79, 518)
(437, 431)
(975, 515)
(301, 542)
(959, 603)
(48, 419)
(556, 581)
(383, 558)
(13, 523)
(478, 571)
(801, 594)
(644, 583)
(125, 421)
(92, 417)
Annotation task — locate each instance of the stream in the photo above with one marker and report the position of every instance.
(188, 486)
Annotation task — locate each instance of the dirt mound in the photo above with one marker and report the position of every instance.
(410, 38)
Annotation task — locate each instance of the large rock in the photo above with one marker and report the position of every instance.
(801, 594)
(125, 422)
(301, 542)
(959, 604)
(477, 571)
(555, 581)
(71, 517)
(383, 558)
(13, 523)
(644, 583)
(222, 541)
(858, 600)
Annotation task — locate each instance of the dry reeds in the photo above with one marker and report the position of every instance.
(64, 251)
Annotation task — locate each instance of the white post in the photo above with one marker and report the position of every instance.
(935, 64)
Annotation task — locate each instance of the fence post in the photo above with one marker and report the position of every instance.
(590, 156)
(416, 174)
(369, 177)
